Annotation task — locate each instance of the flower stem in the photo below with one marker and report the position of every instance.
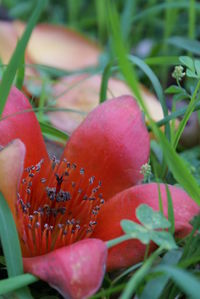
(118, 240)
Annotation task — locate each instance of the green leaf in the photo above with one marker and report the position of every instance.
(164, 239)
(136, 231)
(145, 233)
(197, 66)
(188, 62)
(15, 61)
(151, 219)
(174, 89)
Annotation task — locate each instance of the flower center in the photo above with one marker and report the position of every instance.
(56, 206)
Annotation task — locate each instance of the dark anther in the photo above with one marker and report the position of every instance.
(66, 173)
(102, 201)
(51, 193)
(59, 179)
(31, 175)
(85, 197)
(63, 196)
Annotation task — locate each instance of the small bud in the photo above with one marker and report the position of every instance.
(178, 73)
(146, 171)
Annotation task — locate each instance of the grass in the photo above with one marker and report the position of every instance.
(142, 42)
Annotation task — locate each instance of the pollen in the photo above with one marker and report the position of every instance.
(56, 206)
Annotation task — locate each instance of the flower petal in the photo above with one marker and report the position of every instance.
(111, 144)
(23, 126)
(123, 205)
(76, 271)
(81, 92)
(11, 169)
(8, 38)
(67, 49)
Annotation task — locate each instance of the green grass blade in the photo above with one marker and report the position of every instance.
(178, 167)
(20, 75)
(104, 82)
(14, 283)
(139, 275)
(190, 109)
(192, 19)
(126, 18)
(155, 82)
(170, 210)
(9, 240)
(187, 44)
(159, 8)
(53, 132)
(10, 245)
(185, 280)
(162, 60)
(9, 73)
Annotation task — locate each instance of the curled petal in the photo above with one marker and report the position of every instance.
(67, 49)
(23, 125)
(76, 271)
(111, 144)
(11, 169)
(123, 206)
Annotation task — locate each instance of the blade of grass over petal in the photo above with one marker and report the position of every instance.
(9, 73)
(154, 80)
(53, 132)
(104, 81)
(170, 210)
(126, 67)
(10, 245)
(20, 75)
(174, 115)
(178, 167)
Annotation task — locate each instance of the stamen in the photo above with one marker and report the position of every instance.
(58, 209)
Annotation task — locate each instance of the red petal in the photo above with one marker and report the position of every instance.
(23, 126)
(111, 144)
(123, 205)
(12, 166)
(76, 271)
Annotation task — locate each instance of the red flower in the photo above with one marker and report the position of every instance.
(60, 207)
